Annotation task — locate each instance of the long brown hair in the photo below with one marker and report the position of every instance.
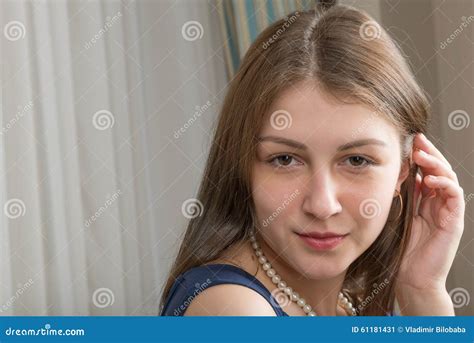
(351, 57)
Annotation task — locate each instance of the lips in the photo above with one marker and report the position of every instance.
(322, 241)
(321, 235)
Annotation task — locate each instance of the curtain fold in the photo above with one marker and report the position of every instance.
(91, 177)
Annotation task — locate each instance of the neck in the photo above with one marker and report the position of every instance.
(321, 294)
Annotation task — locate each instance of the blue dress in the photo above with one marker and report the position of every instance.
(192, 282)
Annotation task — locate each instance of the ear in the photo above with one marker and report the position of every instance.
(404, 171)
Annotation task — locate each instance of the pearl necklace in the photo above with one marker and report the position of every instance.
(282, 286)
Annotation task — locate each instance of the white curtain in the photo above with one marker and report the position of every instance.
(107, 112)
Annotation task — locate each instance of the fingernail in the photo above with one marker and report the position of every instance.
(433, 178)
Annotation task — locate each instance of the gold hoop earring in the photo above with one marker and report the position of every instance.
(401, 204)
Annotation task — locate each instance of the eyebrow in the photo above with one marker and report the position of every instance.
(301, 146)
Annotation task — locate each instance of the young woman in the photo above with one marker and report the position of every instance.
(321, 195)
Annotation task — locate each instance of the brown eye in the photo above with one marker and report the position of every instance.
(285, 160)
(359, 162)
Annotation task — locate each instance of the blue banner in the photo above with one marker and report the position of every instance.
(237, 329)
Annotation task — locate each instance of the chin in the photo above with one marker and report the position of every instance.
(321, 267)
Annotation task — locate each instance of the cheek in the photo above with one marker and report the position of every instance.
(368, 203)
(274, 200)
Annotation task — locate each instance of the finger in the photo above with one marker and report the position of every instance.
(445, 185)
(430, 164)
(449, 204)
(423, 143)
(424, 190)
(420, 188)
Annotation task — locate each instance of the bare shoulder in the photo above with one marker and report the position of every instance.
(229, 300)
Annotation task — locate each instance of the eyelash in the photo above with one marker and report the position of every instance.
(368, 162)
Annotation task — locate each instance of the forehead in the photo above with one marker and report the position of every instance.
(307, 114)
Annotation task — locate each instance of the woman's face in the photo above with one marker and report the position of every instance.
(324, 166)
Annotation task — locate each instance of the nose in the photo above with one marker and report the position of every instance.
(320, 197)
